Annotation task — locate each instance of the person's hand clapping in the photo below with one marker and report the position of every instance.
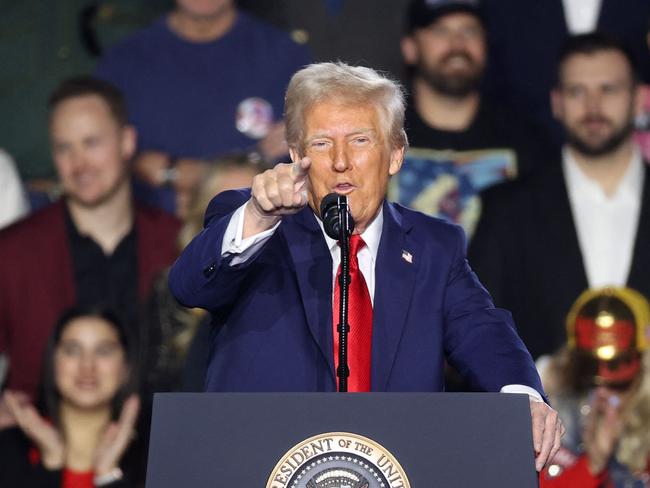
(116, 438)
(279, 191)
(602, 428)
(7, 419)
(46, 437)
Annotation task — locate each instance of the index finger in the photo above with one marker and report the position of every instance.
(129, 413)
(300, 168)
(538, 431)
(548, 441)
(6, 417)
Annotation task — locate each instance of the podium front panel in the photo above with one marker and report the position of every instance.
(210, 440)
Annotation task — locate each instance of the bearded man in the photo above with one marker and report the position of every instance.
(462, 142)
(580, 224)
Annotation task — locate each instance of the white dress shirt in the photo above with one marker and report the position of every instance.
(367, 255)
(233, 243)
(581, 15)
(606, 225)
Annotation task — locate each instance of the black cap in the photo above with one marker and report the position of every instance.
(423, 12)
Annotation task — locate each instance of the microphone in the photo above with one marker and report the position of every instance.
(338, 224)
(333, 211)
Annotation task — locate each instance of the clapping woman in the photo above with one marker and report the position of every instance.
(81, 437)
(600, 385)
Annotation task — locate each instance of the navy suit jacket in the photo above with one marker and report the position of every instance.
(273, 313)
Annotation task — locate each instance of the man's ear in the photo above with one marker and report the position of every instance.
(640, 95)
(409, 50)
(396, 160)
(129, 141)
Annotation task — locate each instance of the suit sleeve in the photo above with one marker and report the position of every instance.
(201, 276)
(480, 340)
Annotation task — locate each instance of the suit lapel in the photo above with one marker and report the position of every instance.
(560, 234)
(313, 267)
(394, 283)
(638, 277)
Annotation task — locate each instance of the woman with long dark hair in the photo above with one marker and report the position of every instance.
(89, 408)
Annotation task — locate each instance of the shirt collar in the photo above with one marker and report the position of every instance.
(371, 236)
(631, 183)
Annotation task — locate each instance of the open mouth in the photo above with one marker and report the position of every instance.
(344, 188)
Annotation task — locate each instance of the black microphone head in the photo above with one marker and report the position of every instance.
(329, 214)
(330, 200)
(333, 209)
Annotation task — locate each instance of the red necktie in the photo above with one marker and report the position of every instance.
(360, 320)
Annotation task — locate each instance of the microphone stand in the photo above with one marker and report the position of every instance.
(343, 371)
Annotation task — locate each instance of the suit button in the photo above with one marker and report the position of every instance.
(209, 270)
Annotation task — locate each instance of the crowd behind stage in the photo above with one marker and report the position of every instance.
(528, 125)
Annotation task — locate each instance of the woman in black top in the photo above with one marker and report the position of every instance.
(90, 409)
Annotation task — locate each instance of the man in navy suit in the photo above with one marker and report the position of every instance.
(265, 269)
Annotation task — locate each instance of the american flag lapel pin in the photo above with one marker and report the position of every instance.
(407, 256)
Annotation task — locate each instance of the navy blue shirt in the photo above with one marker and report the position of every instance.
(183, 97)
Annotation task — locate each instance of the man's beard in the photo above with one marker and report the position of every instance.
(457, 85)
(604, 147)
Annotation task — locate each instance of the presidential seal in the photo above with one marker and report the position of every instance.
(338, 460)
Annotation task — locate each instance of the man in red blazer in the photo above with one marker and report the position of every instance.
(94, 246)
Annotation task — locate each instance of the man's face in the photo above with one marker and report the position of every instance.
(349, 155)
(205, 8)
(449, 54)
(90, 149)
(596, 101)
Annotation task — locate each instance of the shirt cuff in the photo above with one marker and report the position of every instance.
(531, 392)
(234, 243)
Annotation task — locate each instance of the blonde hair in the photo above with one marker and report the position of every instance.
(634, 445)
(346, 84)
